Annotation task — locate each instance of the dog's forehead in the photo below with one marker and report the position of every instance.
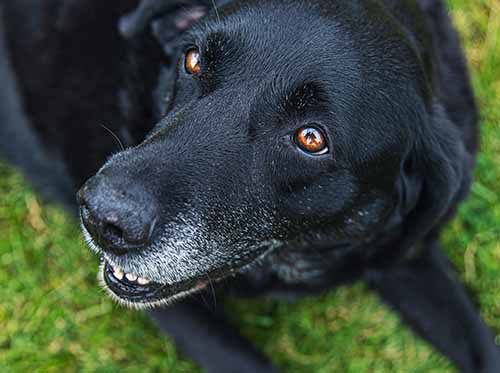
(270, 33)
(312, 36)
(257, 56)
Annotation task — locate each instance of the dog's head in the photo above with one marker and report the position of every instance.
(304, 125)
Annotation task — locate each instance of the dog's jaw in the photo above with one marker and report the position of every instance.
(160, 266)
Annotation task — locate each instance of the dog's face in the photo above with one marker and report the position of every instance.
(286, 126)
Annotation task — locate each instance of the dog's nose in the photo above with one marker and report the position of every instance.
(120, 215)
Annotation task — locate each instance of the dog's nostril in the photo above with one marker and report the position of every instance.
(123, 236)
(112, 231)
(119, 220)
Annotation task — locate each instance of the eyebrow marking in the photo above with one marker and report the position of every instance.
(303, 95)
(281, 103)
(296, 97)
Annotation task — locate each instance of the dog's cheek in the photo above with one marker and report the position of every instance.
(370, 213)
(337, 203)
(322, 198)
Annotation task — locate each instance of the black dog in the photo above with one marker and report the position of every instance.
(299, 144)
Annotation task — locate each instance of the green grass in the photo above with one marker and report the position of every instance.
(53, 317)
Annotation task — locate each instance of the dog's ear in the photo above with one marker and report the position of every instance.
(178, 14)
(166, 18)
(436, 176)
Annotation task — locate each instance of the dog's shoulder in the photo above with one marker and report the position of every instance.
(44, 170)
(66, 59)
(60, 66)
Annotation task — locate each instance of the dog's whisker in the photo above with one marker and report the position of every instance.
(115, 136)
(203, 299)
(216, 10)
(213, 292)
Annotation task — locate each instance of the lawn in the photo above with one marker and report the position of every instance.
(54, 317)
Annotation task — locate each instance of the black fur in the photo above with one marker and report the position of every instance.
(219, 182)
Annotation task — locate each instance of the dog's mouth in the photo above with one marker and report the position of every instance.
(139, 292)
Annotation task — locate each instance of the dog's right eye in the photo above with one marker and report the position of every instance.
(192, 61)
(311, 140)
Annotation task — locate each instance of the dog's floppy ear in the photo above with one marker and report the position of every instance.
(179, 12)
(437, 175)
(167, 18)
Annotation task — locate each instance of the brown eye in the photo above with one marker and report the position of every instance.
(192, 62)
(311, 140)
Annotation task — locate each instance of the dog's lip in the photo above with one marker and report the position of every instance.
(150, 292)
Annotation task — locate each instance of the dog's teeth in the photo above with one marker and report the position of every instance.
(131, 277)
(142, 281)
(118, 273)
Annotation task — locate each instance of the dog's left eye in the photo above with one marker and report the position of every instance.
(311, 140)
(192, 61)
